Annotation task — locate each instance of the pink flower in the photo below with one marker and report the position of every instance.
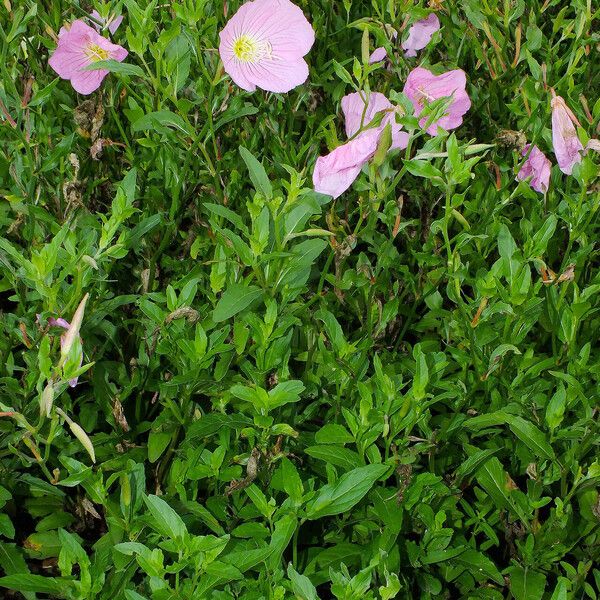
(423, 87)
(262, 46)
(537, 166)
(79, 47)
(419, 35)
(381, 53)
(567, 146)
(60, 322)
(377, 55)
(112, 23)
(335, 172)
(358, 113)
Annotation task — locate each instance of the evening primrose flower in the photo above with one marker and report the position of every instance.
(420, 34)
(537, 166)
(263, 45)
(80, 46)
(423, 87)
(567, 145)
(358, 113)
(335, 172)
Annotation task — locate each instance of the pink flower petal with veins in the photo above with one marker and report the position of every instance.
(419, 35)
(567, 145)
(335, 172)
(79, 47)
(359, 113)
(423, 87)
(263, 45)
(538, 167)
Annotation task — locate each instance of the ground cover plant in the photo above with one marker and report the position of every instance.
(299, 300)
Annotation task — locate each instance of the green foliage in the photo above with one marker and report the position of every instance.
(390, 395)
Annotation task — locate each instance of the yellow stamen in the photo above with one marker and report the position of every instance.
(95, 53)
(249, 50)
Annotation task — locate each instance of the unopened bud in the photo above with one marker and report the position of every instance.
(74, 328)
(47, 399)
(83, 437)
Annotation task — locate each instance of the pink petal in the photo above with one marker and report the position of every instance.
(280, 28)
(273, 75)
(60, 322)
(71, 56)
(566, 143)
(86, 82)
(378, 55)
(114, 24)
(593, 145)
(359, 113)
(420, 33)
(538, 167)
(335, 172)
(423, 87)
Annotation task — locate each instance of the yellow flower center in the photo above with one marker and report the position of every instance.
(95, 53)
(250, 50)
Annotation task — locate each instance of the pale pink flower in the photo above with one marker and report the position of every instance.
(80, 46)
(537, 166)
(419, 34)
(64, 324)
(112, 23)
(423, 87)
(567, 145)
(335, 172)
(358, 114)
(378, 55)
(263, 45)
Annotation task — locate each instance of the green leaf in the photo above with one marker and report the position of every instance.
(258, 175)
(526, 584)
(495, 481)
(285, 392)
(24, 582)
(157, 444)
(166, 521)
(11, 559)
(7, 529)
(556, 407)
(114, 66)
(423, 168)
(161, 121)
(333, 499)
(235, 299)
(282, 534)
(335, 455)
(473, 463)
(132, 595)
(531, 436)
(301, 585)
(332, 433)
